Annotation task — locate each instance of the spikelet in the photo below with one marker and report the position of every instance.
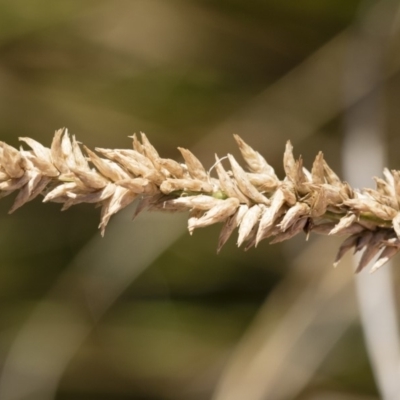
(253, 201)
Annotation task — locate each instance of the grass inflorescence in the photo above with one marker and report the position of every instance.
(252, 200)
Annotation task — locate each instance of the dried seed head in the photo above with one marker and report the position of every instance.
(256, 202)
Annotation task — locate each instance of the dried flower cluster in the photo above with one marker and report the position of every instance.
(254, 200)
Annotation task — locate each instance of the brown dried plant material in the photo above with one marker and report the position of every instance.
(249, 221)
(231, 224)
(194, 166)
(255, 161)
(229, 186)
(244, 183)
(255, 201)
(387, 254)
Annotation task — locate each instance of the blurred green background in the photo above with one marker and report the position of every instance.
(148, 312)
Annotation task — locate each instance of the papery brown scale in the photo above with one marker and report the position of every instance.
(168, 206)
(119, 200)
(294, 213)
(396, 224)
(66, 149)
(270, 214)
(251, 239)
(254, 159)
(249, 220)
(230, 225)
(200, 202)
(80, 160)
(323, 228)
(289, 163)
(138, 185)
(263, 182)
(301, 177)
(41, 156)
(32, 189)
(289, 192)
(326, 228)
(343, 224)
(292, 231)
(330, 176)
(153, 156)
(133, 162)
(371, 249)
(41, 165)
(389, 179)
(387, 254)
(194, 166)
(307, 175)
(228, 185)
(193, 185)
(90, 179)
(145, 203)
(346, 191)
(60, 191)
(369, 205)
(333, 195)
(136, 144)
(396, 184)
(318, 202)
(244, 183)
(294, 170)
(391, 242)
(318, 172)
(351, 229)
(4, 193)
(382, 198)
(106, 167)
(364, 239)
(347, 245)
(140, 159)
(175, 169)
(12, 161)
(148, 149)
(57, 155)
(194, 216)
(14, 184)
(226, 231)
(218, 213)
(383, 187)
(78, 196)
(132, 165)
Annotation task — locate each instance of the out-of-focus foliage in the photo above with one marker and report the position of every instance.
(149, 312)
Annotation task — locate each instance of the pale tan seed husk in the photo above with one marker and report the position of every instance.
(254, 201)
